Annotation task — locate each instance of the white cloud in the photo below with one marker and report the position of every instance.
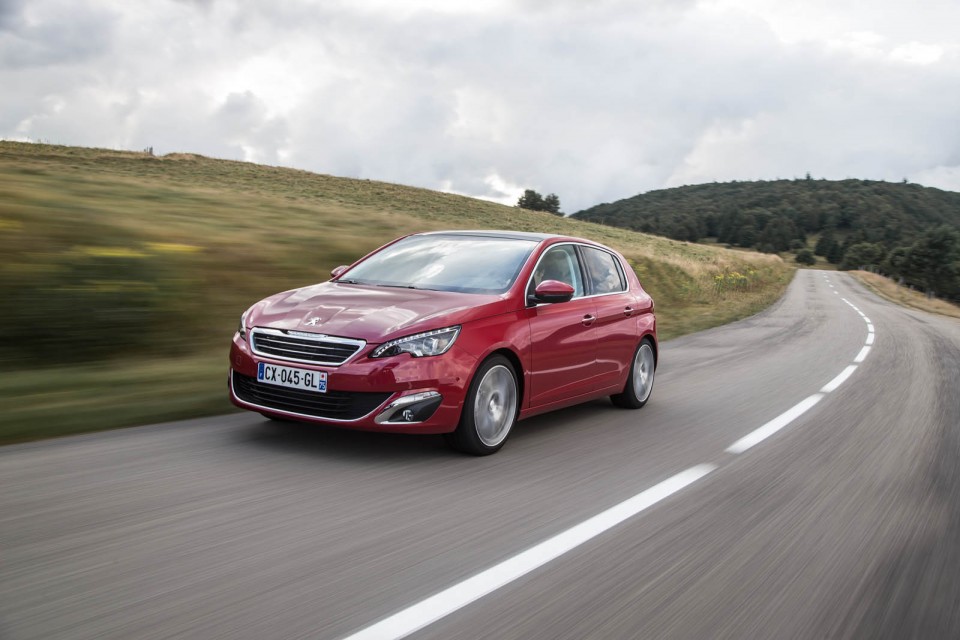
(594, 101)
(947, 178)
(918, 53)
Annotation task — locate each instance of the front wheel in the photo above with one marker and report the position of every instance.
(490, 410)
(640, 381)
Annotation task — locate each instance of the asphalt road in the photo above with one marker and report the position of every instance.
(844, 523)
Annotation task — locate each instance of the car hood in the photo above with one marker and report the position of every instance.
(371, 313)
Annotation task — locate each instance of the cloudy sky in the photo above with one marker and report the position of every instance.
(594, 100)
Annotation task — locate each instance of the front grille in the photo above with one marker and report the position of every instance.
(332, 405)
(298, 346)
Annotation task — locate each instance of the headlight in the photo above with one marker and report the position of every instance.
(428, 343)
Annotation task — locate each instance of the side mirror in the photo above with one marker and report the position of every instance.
(551, 291)
(338, 271)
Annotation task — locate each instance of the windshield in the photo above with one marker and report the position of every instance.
(467, 264)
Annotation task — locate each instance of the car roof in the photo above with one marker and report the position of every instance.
(513, 235)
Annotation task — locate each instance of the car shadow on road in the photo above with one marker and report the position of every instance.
(321, 441)
(329, 442)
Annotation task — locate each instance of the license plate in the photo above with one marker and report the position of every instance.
(292, 378)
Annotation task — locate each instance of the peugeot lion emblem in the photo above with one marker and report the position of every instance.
(312, 322)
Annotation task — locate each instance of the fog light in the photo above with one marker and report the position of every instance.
(416, 407)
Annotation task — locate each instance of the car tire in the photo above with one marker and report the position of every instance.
(639, 383)
(490, 409)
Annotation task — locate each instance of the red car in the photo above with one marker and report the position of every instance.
(456, 332)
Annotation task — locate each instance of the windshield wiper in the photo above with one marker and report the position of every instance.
(347, 281)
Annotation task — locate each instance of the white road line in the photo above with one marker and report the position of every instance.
(839, 380)
(425, 612)
(802, 407)
(767, 430)
(442, 604)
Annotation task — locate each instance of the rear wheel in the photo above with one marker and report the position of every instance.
(490, 410)
(640, 381)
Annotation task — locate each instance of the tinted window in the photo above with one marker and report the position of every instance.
(559, 263)
(468, 264)
(603, 272)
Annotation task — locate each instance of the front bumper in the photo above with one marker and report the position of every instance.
(400, 394)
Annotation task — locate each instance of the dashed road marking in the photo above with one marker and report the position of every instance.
(839, 380)
(794, 412)
(770, 428)
(427, 611)
(440, 605)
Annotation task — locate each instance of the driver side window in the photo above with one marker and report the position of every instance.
(561, 264)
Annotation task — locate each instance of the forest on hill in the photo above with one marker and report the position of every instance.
(904, 230)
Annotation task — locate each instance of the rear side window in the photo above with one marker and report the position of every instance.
(604, 273)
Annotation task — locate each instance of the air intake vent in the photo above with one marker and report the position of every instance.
(333, 405)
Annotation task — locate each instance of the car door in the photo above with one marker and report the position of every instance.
(616, 311)
(563, 335)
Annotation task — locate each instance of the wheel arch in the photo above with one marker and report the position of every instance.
(656, 348)
(517, 365)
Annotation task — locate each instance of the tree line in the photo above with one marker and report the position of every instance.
(535, 202)
(904, 230)
(931, 263)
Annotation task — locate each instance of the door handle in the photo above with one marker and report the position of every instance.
(587, 320)
(628, 311)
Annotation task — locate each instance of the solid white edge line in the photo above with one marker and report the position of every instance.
(437, 606)
(839, 380)
(870, 327)
(866, 319)
(862, 355)
(870, 338)
(770, 428)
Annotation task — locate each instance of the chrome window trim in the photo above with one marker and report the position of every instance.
(624, 283)
(616, 260)
(304, 335)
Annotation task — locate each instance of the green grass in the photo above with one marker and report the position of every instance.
(124, 274)
(57, 401)
(904, 296)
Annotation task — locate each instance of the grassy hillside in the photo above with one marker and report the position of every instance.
(905, 296)
(124, 275)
